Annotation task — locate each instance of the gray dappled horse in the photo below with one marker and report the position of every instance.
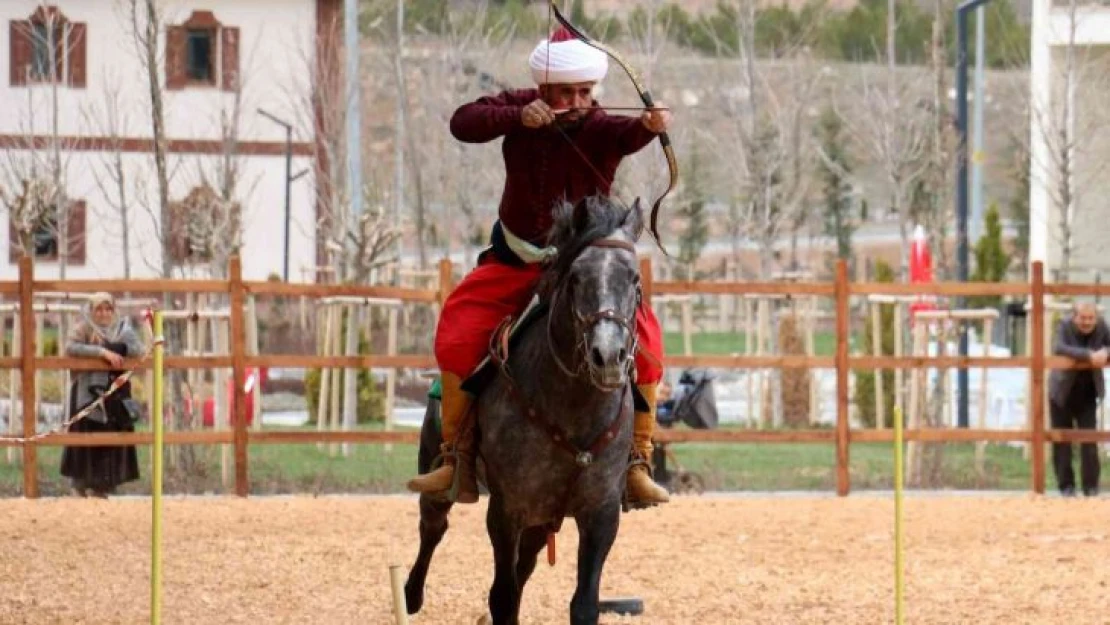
(555, 422)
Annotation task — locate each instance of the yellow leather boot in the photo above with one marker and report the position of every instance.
(642, 489)
(454, 479)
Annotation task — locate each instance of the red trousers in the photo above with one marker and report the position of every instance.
(493, 291)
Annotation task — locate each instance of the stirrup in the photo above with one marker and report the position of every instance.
(453, 492)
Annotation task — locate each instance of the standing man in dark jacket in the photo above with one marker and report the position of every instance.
(1074, 394)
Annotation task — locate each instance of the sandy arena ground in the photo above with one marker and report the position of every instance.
(1004, 559)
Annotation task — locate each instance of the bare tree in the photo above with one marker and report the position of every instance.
(146, 25)
(355, 244)
(40, 162)
(936, 208)
(932, 206)
(645, 44)
(214, 228)
(114, 179)
(452, 181)
(771, 143)
(27, 206)
(890, 123)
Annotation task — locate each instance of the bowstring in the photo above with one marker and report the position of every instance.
(546, 79)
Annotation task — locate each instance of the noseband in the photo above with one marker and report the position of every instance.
(583, 324)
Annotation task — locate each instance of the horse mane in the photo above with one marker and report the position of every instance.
(603, 217)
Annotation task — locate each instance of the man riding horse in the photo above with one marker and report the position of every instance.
(559, 145)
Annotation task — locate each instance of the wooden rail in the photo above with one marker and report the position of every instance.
(841, 290)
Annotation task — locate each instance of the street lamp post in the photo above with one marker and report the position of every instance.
(962, 254)
(288, 183)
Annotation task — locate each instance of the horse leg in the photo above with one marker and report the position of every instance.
(433, 525)
(504, 595)
(531, 542)
(597, 529)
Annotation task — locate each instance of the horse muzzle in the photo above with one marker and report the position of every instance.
(610, 356)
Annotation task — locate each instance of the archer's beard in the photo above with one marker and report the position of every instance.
(570, 123)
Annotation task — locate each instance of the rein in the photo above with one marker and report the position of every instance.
(583, 457)
(584, 323)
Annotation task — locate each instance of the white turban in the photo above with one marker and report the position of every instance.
(566, 59)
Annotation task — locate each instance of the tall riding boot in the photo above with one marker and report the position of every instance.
(642, 489)
(455, 478)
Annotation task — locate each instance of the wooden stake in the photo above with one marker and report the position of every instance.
(877, 350)
(391, 375)
(238, 375)
(984, 398)
(13, 382)
(843, 432)
(220, 403)
(336, 376)
(253, 349)
(764, 310)
(40, 351)
(325, 373)
(749, 349)
(899, 375)
(687, 326)
(811, 350)
(192, 349)
(917, 391)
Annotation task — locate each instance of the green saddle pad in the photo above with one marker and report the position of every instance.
(436, 392)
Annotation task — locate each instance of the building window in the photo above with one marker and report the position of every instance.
(199, 54)
(43, 240)
(202, 52)
(42, 40)
(47, 48)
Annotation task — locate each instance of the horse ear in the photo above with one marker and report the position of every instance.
(581, 217)
(634, 221)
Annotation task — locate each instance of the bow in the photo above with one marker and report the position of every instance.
(645, 96)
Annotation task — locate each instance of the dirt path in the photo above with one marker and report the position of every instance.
(706, 561)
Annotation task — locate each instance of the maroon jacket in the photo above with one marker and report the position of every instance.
(541, 165)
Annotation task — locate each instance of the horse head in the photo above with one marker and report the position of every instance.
(593, 286)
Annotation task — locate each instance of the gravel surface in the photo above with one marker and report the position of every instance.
(697, 560)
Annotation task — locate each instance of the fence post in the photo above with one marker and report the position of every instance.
(647, 280)
(27, 349)
(1036, 377)
(238, 374)
(843, 480)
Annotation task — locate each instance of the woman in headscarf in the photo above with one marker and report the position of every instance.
(102, 334)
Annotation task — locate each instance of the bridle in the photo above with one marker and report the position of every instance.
(584, 324)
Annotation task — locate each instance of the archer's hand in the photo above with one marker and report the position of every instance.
(537, 114)
(657, 120)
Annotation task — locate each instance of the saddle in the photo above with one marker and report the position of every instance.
(505, 338)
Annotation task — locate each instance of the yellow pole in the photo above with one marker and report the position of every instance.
(898, 478)
(156, 479)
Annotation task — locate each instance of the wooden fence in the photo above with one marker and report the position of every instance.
(840, 290)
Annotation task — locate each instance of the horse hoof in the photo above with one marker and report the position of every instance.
(485, 619)
(414, 599)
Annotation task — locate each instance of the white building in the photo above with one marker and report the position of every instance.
(1054, 28)
(214, 57)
